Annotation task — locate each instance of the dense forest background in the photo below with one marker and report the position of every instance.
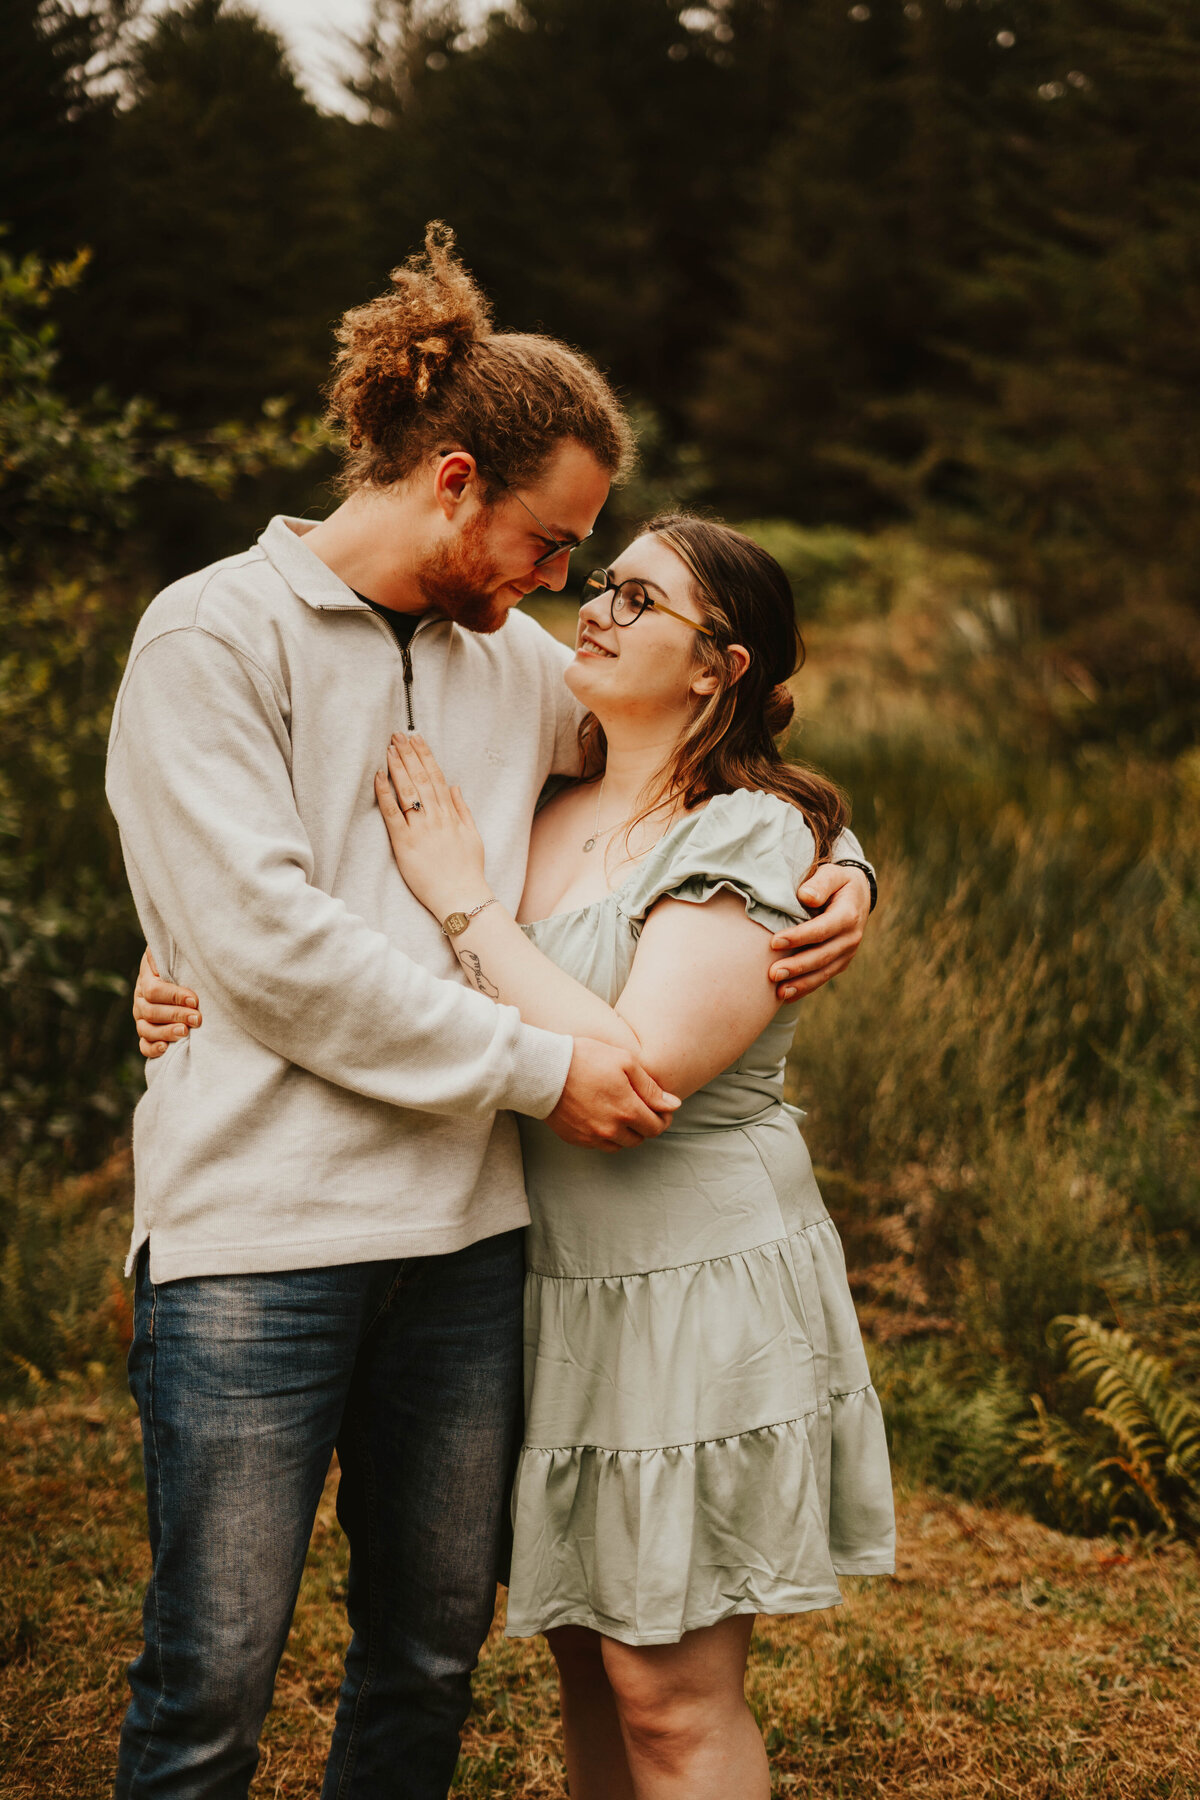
(911, 289)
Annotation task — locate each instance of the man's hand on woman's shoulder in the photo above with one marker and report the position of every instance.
(817, 949)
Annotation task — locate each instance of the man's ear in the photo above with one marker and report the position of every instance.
(455, 478)
(709, 682)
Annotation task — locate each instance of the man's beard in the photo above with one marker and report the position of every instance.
(460, 580)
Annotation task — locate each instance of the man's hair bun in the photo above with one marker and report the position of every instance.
(779, 709)
(397, 348)
(420, 370)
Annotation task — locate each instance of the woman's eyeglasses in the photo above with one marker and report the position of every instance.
(630, 600)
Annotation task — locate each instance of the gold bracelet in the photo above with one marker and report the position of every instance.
(456, 923)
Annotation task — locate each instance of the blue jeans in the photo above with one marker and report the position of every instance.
(246, 1384)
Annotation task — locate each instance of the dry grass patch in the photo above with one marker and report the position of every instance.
(1004, 1659)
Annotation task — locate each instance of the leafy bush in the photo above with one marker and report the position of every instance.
(65, 1312)
(73, 581)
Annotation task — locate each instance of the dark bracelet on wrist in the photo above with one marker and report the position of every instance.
(848, 862)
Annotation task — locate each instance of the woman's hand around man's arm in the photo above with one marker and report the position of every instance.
(162, 1012)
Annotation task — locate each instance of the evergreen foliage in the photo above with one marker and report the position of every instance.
(573, 147)
(55, 117)
(971, 293)
(229, 239)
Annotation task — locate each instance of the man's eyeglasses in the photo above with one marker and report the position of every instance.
(630, 600)
(557, 546)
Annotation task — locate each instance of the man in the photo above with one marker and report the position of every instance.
(327, 1236)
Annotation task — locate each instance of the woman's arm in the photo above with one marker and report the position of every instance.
(162, 1012)
(697, 995)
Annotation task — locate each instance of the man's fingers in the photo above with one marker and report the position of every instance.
(811, 962)
(160, 1034)
(629, 1134)
(808, 984)
(648, 1091)
(159, 993)
(165, 993)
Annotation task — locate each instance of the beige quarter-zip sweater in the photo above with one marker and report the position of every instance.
(349, 1098)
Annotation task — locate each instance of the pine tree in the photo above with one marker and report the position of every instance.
(230, 239)
(1077, 432)
(865, 223)
(54, 117)
(591, 155)
(971, 292)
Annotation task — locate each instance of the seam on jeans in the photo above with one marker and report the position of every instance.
(152, 1421)
(373, 1613)
(393, 1289)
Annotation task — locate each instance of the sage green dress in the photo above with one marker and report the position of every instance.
(701, 1437)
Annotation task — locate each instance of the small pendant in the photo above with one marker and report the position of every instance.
(590, 845)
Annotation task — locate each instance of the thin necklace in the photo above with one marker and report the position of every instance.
(591, 842)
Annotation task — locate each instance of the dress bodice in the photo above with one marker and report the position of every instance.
(748, 842)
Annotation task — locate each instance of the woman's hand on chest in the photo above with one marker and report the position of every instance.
(437, 848)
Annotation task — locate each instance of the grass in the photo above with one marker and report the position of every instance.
(1003, 1659)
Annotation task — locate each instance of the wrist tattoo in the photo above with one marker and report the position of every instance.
(476, 976)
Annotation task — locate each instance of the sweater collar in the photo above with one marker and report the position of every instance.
(283, 546)
(315, 583)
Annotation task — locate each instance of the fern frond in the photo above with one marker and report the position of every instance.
(1135, 1394)
(1155, 1424)
(1061, 1455)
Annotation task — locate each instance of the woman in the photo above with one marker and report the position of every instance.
(702, 1439)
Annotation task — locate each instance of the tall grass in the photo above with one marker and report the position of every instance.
(1005, 1091)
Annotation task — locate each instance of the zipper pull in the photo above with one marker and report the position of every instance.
(408, 680)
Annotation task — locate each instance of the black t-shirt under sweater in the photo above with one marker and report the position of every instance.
(403, 624)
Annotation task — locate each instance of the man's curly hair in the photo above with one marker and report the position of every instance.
(420, 369)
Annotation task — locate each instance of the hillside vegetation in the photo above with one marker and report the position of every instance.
(1003, 1094)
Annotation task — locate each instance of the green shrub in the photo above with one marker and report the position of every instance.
(1004, 1092)
(64, 1309)
(73, 582)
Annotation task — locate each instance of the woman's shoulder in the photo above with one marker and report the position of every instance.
(753, 842)
(744, 825)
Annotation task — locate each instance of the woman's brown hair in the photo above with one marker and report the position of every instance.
(420, 369)
(730, 743)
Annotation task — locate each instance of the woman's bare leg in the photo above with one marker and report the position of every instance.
(688, 1732)
(597, 1767)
